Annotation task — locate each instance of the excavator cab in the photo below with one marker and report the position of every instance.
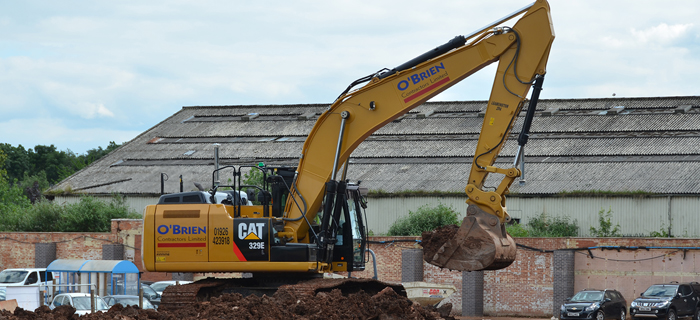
(341, 232)
(350, 242)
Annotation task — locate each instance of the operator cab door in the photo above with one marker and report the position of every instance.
(351, 239)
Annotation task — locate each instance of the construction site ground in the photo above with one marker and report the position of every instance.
(284, 305)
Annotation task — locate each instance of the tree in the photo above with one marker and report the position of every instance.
(12, 198)
(45, 164)
(17, 162)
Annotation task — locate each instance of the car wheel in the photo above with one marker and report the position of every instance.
(671, 315)
(600, 315)
(623, 315)
(697, 313)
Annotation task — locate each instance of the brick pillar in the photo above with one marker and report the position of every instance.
(44, 254)
(112, 252)
(411, 265)
(183, 276)
(472, 293)
(563, 278)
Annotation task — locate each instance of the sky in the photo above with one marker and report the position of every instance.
(79, 74)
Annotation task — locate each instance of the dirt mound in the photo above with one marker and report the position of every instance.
(285, 304)
(432, 241)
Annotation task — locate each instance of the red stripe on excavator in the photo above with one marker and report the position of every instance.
(238, 253)
(182, 245)
(430, 88)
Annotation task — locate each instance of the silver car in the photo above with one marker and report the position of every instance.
(79, 301)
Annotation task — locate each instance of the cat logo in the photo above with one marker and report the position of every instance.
(250, 231)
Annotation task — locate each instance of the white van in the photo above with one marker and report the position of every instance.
(24, 277)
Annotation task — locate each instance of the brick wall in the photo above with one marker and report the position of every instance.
(526, 288)
(17, 248)
(523, 289)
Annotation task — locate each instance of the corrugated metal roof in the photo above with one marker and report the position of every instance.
(648, 147)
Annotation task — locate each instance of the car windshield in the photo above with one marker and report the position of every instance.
(83, 303)
(160, 286)
(147, 290)
(129, 301)
(661, 291)
(587, 296)
(12, 276)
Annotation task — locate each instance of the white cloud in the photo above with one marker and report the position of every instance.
(90, 110)
(125, 66)
(662, 33)
(42, 131)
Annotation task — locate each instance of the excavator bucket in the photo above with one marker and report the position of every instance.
(480, 243)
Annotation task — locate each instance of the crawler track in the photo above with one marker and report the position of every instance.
(182, 296)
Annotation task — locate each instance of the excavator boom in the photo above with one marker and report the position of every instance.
(281, 241)
(522, 52)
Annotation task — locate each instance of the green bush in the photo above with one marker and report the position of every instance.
(426, 218)
(546, 226)
(606, 229)
(517, 230)
(88, 215)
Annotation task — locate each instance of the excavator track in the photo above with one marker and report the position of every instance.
(182, 296)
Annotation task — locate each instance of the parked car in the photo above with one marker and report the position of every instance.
(161, 285)
(127, 300)
(595, 304)
(151, 294)
(79, 301)
(668, 301)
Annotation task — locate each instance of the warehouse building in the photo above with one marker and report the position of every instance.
(638, 158)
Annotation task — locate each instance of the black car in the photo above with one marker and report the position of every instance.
(595, 304)
(668, 301)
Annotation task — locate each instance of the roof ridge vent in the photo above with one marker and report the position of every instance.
(615, 110)
(250, 116)
(550, 111)
(683, 108)
(612, 111)
(425, 114)
(306, 116)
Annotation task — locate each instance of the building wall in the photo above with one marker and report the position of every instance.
(17, 248)
(523, 289)
(637, 216)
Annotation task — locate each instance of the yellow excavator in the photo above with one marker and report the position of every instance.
(310, 220)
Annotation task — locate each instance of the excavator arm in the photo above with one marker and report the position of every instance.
(521, 52)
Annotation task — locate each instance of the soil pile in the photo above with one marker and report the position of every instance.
(432, 241)
(284, 304)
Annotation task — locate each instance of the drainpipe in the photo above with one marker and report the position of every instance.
(669, 216)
